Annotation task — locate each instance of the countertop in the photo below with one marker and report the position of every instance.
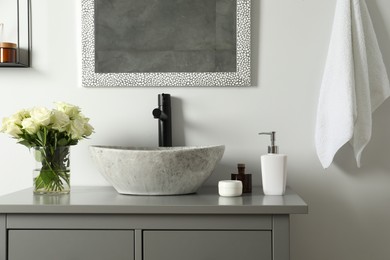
(105, 200)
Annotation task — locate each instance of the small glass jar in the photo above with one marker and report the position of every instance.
(7, 52)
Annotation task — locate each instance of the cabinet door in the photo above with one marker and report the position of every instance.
(70, 244)
(207, 245)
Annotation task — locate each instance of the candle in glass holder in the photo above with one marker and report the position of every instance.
(7, 52)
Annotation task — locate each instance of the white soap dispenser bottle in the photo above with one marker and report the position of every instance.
(273, 169)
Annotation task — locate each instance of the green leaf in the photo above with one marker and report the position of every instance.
(47, 176)
(39, 184)
(62, 142)
(40, 138)
(25, 143)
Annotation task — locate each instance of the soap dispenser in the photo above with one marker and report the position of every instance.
(273, 169)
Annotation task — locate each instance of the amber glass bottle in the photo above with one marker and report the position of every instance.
(246, 179)
(7, 52)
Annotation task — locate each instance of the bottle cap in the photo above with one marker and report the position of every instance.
(8, 45)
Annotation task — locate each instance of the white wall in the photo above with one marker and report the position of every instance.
(349, 213)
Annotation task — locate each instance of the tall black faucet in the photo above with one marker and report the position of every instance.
(163, 114)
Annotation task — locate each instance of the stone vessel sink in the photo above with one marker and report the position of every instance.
(156, 171)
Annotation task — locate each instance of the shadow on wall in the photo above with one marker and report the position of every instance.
(376, 154)
(178, 122)
(382, 31)
(334, 220)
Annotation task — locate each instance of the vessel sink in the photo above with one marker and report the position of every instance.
(156, 171)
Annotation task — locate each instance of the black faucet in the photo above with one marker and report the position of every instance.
(163, 114)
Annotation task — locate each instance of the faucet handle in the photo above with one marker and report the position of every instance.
(158, 114)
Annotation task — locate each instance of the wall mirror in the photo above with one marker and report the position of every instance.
(165, 43)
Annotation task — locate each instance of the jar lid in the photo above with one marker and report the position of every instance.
(230, 184)
(8, 45)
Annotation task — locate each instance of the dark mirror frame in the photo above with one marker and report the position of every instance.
(241, 77)
(23, 34)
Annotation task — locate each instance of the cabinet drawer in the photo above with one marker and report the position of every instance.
(207, 245)
(70, 244)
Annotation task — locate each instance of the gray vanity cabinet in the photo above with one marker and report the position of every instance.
(70, 244)
(97, 223)
(207, 245)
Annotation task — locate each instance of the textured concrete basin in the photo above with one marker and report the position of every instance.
(156, 171)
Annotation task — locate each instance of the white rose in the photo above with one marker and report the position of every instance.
(76, 128)
(13, 130)
(71, 110)
(30, 126)
(10, 127)
(22, 114)
(16, 118)
(88, 129)
(4, 124)
(41, 116)
(60, 120)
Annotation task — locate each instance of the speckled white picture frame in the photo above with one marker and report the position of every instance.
(241, 77)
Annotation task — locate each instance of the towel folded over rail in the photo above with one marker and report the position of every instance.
(354, 84)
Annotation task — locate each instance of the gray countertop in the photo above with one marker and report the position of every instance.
(105, 200)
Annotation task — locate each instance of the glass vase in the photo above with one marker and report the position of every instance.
(51, 173)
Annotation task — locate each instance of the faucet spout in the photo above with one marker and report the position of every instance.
(163, 114)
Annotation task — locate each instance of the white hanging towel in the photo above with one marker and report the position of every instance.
(354, 83)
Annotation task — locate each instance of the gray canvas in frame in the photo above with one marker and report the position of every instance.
(165, 36)
(204, 71)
